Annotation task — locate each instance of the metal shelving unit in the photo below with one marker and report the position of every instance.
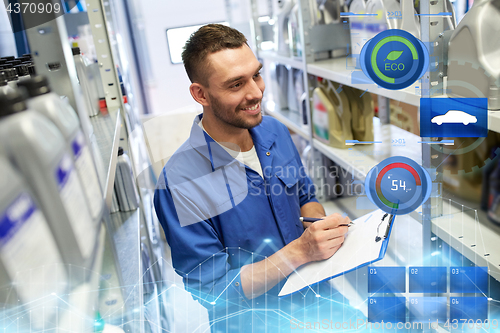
(115, 287)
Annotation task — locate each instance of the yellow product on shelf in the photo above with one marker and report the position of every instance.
(362, 113)
(331, 115)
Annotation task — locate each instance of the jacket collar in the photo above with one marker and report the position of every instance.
(262, 137)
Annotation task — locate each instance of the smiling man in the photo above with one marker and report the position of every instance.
(230, 198)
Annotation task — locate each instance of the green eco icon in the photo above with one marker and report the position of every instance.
(393, 55)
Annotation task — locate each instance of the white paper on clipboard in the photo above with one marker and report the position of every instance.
(359, 249)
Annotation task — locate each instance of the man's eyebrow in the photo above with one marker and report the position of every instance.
(234, 79)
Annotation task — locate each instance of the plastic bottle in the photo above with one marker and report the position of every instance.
(65, 118)
(293, 102)
(409, 21)
(91, 101)
(329, 11)
(375, 24)
(126, 191)
(32, 70)
(298, 90)
(22, 72)
(359, 35)
(28, 251)
(331, 115)
(11, 76)
(362, 113)
(379, 23)
(37, 148)
(281, 82)
(476, 43)
(294, 32)
(283, 10)
(4, 87)
(494, 195)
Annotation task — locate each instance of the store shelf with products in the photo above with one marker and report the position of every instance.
(274, 57)
(339, 70)
(288, 118)
(359, 159)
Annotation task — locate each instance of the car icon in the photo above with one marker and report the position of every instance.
(454, 117)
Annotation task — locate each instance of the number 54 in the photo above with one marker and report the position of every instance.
(402, 184)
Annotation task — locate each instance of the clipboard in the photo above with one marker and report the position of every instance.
(359, 249)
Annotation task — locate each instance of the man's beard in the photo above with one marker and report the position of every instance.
(233, 117)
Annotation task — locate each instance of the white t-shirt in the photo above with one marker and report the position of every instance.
(249, 158)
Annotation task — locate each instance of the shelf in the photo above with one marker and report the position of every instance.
(359, 159)
(337, 70)
(107, 136)
(274, 57)
(289, 119)
(469, 237)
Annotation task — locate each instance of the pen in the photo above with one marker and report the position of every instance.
(313, 219)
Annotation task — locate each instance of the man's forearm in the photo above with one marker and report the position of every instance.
(259, 277)
(312, 209)
(317, 243)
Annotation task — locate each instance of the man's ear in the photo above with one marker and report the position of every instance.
(199, 93)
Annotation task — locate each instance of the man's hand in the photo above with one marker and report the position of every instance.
(322, 238)
(319, 241)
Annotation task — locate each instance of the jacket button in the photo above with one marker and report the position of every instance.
(268, 153)
(237, 284)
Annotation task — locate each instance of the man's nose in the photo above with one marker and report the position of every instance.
(254, 91)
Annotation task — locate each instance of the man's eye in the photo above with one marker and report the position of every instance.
(236, 85)
(257, 75)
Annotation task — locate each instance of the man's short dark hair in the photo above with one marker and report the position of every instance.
(208, 39)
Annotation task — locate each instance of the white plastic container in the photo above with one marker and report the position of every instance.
(359, 35)
(409, 21)
(65, 118)
(37, 148)
(22, 72)
(126, 190)
(11, 76)
(280, 83)
(89, 92)
(4, 87)
(30, 263)
(283, 9)
(379, 23)
(474, 53)
(294, 32)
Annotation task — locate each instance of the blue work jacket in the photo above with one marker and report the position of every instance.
(219, 215)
